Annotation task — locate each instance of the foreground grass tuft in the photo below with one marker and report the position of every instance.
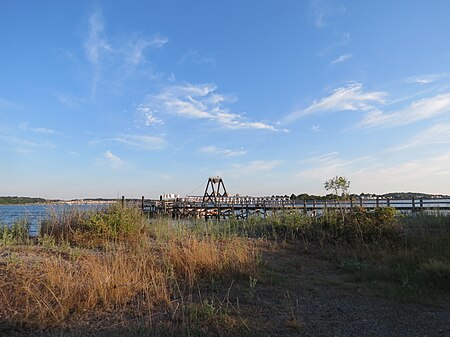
(108, 262)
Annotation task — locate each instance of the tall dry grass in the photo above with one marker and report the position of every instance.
(45, 286)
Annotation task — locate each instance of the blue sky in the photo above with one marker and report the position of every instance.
(111, 98)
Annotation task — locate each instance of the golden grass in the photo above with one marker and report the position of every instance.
(56, 289)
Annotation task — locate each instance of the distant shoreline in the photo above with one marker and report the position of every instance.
(57, 202)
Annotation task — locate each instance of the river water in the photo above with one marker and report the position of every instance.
(34, 214)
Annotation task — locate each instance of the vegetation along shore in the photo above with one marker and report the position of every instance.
(114, 272)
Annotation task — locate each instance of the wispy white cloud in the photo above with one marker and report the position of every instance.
(429, 175)
(139, 142)
(222, 152)
(342, 58)
(436, 134)
(24, 146)
(159, 41)
(192, 55)
(113, 160)
(96, 43)
(26, 127)
(324, 166)
(348, 98)
(427, 78)
(149, 116)
(115, 59)
(425, 108)
(340, 39)
(253, 167)
(200, 102)
(369, 174)
(324, 10)
(134, 51)
(319, 168)
(142, 142)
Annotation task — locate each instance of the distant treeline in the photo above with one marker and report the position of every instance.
(395, 195)
(20, 200)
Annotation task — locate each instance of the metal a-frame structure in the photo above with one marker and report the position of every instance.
(215, 188)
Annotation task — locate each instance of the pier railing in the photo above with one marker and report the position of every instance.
(245, 206)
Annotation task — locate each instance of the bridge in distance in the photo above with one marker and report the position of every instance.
(216, 203)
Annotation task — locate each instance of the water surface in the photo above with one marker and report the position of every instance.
(34, 214)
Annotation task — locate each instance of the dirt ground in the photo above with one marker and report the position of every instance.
(303, 294)
(297, 293)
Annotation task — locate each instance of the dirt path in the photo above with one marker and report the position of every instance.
(305, 295)
(296, 294)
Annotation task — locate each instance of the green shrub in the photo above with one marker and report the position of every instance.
(17, 233)
(115, 221)
(95, 227)
(377, 226)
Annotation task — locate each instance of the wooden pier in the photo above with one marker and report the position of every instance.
(245, 207)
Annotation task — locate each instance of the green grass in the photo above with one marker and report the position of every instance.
(416, 267)
(15, 234)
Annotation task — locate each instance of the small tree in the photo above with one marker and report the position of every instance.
(338, 184)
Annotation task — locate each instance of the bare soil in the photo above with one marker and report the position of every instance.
(297, 293)
(304, 294)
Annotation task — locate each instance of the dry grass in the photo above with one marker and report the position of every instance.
(57, 285)
(193, 257)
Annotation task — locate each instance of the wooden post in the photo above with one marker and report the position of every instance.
(142, 203)
(360, 201)
(378, 202)
(123, 200)
(421, 204)
(351, 204)
(388, 202)
(413, 204)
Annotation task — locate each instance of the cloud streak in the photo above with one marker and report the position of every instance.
(26, 127)
(324, 10)
(142, 142)
(429, 175)
(348, 98)
(116, 59)
(139, 142)
(426, 78)
(213, 150)
(253, 167)
(342, 58)
(192, 55)
(113, 160)
(436, 134)
(96, 43)
(198, 102)
(422, 109)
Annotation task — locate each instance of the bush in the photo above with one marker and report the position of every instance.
(377, 226)
(116, 221)
(94, 228)
(17, 233)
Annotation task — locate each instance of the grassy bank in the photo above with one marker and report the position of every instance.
(114, 266)
(86, 264)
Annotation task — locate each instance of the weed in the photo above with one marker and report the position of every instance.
(15, 234)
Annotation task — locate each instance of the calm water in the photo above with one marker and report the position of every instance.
(34, 214)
